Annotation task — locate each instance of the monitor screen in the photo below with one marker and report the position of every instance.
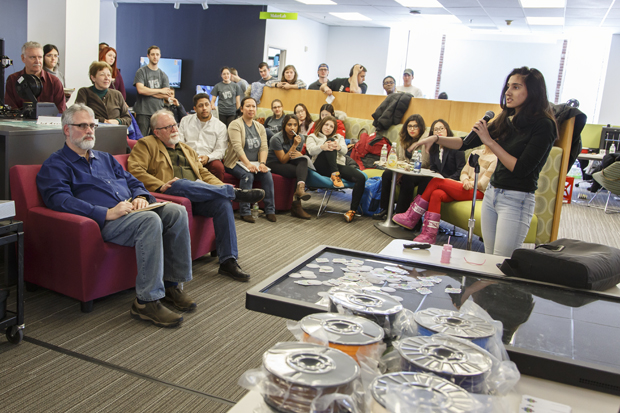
(171, 67)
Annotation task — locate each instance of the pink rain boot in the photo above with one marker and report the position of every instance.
(429, 229)
(410, 217)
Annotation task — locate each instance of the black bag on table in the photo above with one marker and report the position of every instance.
(568, 262)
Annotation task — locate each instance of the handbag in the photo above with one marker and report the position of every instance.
(370, 203)
(567, 262)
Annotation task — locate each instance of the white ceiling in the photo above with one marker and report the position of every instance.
(486, 16)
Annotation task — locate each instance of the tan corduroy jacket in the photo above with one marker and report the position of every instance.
(236, 141)
(150, 163)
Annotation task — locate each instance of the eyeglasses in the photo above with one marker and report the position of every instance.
(413, 127)
(51, 56)
(85, 126)
(168, 128)
(388, 83)
(439, 129)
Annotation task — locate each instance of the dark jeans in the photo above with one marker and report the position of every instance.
(325, 164)
(212, 201)
(294, 168)
(227, 119)
(144, 123)
(407, 186)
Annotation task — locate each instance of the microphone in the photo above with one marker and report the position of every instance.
(473, 135)
(473, 160)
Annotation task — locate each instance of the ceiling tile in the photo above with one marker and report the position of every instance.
(509, 13)
(500, 3)
(467, 11)
(544, 12)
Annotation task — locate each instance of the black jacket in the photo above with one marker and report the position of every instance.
(451, 165)
(391, 111)
(564, 112)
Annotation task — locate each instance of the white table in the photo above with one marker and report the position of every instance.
(590, 156)
(388, 226)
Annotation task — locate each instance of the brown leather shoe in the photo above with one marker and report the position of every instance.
(156, 313)
(248, 218)
(271, 217)
(349, 215)
(298, 212)
(336, 180)
(179, 299)
(300, 191)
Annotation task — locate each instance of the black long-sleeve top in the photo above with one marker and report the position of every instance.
(531, 146)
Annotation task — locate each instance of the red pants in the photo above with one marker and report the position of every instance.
(446, 190)
(216, 168)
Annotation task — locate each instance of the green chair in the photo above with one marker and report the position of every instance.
(609, 178)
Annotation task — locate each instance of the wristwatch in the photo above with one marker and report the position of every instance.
(262, 163)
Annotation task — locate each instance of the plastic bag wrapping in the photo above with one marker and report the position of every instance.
(356, 336)
(412, 399)
(374, 305)
(455, 359)
(306, 378)
(470, 317)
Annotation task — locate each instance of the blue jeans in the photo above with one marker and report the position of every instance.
(246, 179)
(213, 201)
(506, 218)
(163, 249)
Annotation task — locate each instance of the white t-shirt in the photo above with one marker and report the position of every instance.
(412, 90)
(209, 138)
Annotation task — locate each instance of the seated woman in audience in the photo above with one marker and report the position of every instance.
(328, 110)
(246, 158)
(412, 130)
(447, 190)
(305, 120)
(328, 150)
(289, 80)
(285, 159)
(229, 94)
(108, 55)
(108, 104)
(273, 124)
(50, 62)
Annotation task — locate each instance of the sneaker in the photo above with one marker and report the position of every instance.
(231, 268)
(249, 195)
(349, 216)
(336, 180)
(176, 297)
(156, 313)
(380, 216)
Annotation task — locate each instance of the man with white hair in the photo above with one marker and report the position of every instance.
(79, 180)
(165, 164)
(51, 87)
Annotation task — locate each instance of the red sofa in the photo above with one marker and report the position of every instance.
(283, 189)
(65, 252)
(201, 229)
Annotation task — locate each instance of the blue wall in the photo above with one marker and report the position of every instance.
(206, 40)
(13, 20)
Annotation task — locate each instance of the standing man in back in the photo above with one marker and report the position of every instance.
(152, 86)
(408, 87)
(323, 73)
(263, 70)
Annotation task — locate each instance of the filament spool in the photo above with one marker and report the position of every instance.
(441, 395)
(347, 333)
(302, 372)
(455, 324)
(461, 362)
(377, 307)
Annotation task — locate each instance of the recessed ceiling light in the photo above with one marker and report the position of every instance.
(545, 21)
(318, 2)
(419, 3)
(350, 16)
(543, 4)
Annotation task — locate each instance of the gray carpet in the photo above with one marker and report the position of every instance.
(107, 361)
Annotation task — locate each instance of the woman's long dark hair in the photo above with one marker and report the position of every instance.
(285, 120)
(329, 108)
(405, 140)
(435, 147)
(536, 104)
(308, 119)
(319, 125)
(48, 48)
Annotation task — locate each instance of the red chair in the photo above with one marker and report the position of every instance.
(283, 189)
(131, 143)
(201, 229)
(65, 252)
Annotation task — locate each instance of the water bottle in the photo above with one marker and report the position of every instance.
(255, 210)
(612, 148)
(392, 159)
(416, 160)
(384, 154)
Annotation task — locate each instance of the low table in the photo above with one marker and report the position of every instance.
(388, 227)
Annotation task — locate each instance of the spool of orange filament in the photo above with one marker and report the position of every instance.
(347, 333)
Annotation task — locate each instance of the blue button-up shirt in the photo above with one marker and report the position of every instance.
(69, 183)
